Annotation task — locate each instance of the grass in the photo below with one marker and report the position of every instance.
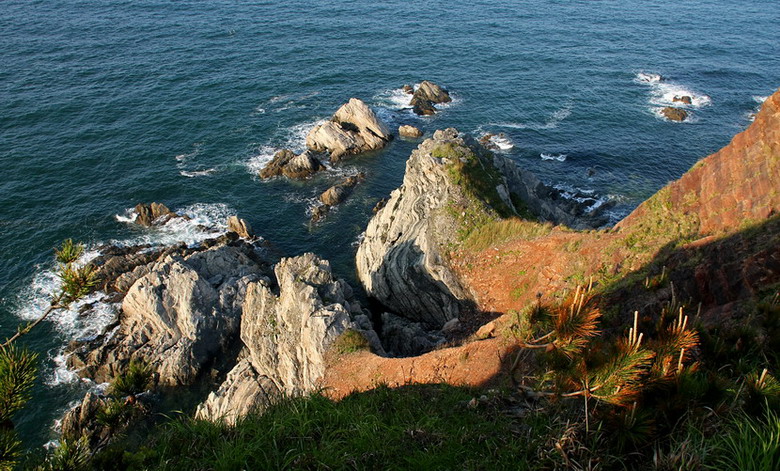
(416, 427)
(749, 444)
(497, 232)
(351, 341)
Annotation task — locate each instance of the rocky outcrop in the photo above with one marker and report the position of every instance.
(402, 259)
(240, 227)
(410, 132)
(82, 420)
(296, 167)
(353, 129)
(426, 95)
(287, 336)
(682, 99)
(406, 338)
(178, 314)
(674, 114)
(154, 214)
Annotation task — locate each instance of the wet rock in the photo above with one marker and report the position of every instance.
(353, 129)
(296, 167)
(423, 107)
(154, 214)
(240, 227)
(319, 212)
(682, 99)
(674, 114)
(339, 192)
(408, 89)
(409, 132)
(426, 95)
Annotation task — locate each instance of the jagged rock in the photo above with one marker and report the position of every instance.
(674, 114)
(682, 99)
(339, 192)
(176, 316)
(319, 212)
(426, 95)
(153, 214)
(82, 420)
(408, 89)
(353, 129)
(409, 131)
(240, 227)
(405, 338)
(296, 167)
(243, 391)
(287, 335)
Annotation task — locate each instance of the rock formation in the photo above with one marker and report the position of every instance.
(410, 132)
(153, 214)
(178, 314)
(401, 261)
(335, 195)
(240, 227)
(674, 114)
(296, 167)
(287, 335)
(353, 129)
(426, 95)
(682, 99)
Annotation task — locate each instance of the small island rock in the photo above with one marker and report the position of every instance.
(409, 131)
(296, 167)
(674, 114)
(353, 129)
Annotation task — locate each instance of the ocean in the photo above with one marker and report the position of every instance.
(108, 103)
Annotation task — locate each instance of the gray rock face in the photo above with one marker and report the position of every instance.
(407, 338)
(176, 316)
(81, 420)
(410, 132)
(426, 95)
(287, 335)
(240, 227)
(153, 214)
(353, 129)
(401, 260)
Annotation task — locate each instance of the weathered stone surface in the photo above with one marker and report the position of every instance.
(353, 129)
(240, 227)
(339, 192)
(287, 335)
(682, 99)
(153, 214)
(409, 131)
(296, 167)
(674, 114)
(408, 89)
(176, 316)
(243, 391)
(82, 420)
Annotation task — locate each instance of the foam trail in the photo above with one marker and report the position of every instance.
(197, 173)
(206, 220)
(558, 157)
(662, 93)
(555, 119)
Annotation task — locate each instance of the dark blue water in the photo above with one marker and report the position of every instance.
(104, 104)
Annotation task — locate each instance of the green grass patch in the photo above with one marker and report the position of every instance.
(428, 427)
(497, 232)
(351, 341)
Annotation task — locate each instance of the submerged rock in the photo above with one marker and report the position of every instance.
(335, 195)
(409, 131)
(296, 167)
(674, 114)
(353, 129)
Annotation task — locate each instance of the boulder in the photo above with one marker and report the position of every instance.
(319, 212)
(674, 114)
(296, 167)
(409, 131)
(408, 89)
(240, 227)
(426, 95)
(353, 129)
(153, 214)
(682, 99)
(82, 420)
(339, 192)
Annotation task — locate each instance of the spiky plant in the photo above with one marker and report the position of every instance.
(71, 455)
(69, 252)
(135, 380)
(115, 414)
(10, 449)
(18, 368)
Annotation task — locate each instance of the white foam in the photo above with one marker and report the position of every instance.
(395, 99)
(558, 157)
(197, 173)
(582, 196)
(206, 220)
(760, 99)
(551, 123)
(259, 161)
(663, 92)
(295, 138)
(281, 103)
(500, 142)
